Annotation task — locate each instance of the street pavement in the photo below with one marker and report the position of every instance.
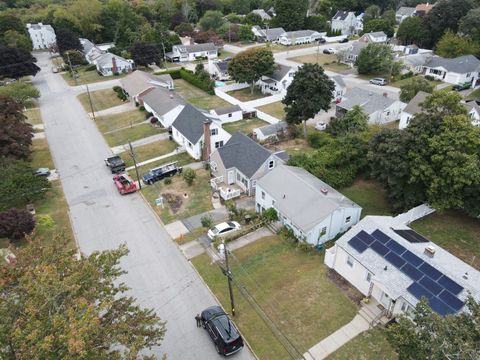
(158, 274)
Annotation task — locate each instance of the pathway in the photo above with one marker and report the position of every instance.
(147, 140)
(115, 110)
(194, 222)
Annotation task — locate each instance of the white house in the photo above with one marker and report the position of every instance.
(42, 36)
(395, 267)
(270, 131)
(378, 37)
(278, 82)
(474, 112)
(380, 109)
(460, 70)
(181, 53)
(219, 69)
(109, 64)
(271, 35)
(350, 54)
(415, 62)
(340, 88)
(263, 14)
(345, 21)
(299, 37)
(91, 51)
(199, 132)
(312, 209)
(359, 24)
(404, 12)
(164, 104)
(228, 114)
(138, 83)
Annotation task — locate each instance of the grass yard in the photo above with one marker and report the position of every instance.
(135, 133)
(474, 95)
(282, 48)
(177, 206)
(33, 115)
(101, 100)
(291, 287)
(118, 121)
(225, 54)
(198, 97)
(293, 147)
(41, 156)
(327, 61)
(245, 126)
(246, 95)
(454, 231)
(275, 109)
(149, 151)
(369, 195)
(406, 81)
(183, 159)
(371, 345)
(87, 77)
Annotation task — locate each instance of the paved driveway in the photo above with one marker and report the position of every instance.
(158, 274)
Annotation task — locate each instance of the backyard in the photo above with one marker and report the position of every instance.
(87, 77)
(275, 109)
(292, 147)
(369, 195)
(150, 151)
(198, 97)
(117, 121)
(402, 82)
(101, 100)
(327, 61)
(134, 133)
(245, 126)
(245, 94)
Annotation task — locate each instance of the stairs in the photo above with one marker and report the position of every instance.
(373, 314)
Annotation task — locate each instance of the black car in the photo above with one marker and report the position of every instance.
(161, 172)
(115, 163)
(322, 40)
(223, 332)
(344, 40)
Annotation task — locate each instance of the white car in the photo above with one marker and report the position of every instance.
(329, 51)
(223, 229)
(321, 126)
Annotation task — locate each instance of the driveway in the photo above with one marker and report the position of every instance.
(158, 274)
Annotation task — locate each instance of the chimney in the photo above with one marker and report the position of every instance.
(206, 139)
(429, 251)
(114, 65)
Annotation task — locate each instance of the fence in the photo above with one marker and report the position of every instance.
(414, 214)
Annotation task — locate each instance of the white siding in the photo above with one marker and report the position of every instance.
(43, 37)
(405, 119)
(231, 117)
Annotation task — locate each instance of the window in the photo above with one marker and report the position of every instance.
(273, 202)
(348, 218)
(369, 277)
(271, 164)
(213, 165)
(468, 75)
(214, 131)
(324, 231)
(350, 261)
(218, 144)
(229, 115)
(263, 195)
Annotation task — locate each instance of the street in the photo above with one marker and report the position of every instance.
(158, 274)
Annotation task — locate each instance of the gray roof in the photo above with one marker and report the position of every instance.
(416, 60)
(376, 34)
(190, 123)
(356, 47)
(280, 72)
(271, 34)
(339, 80)
(162, 100)
(413, 106)
(462, 65)
(262, 13)
(196, 47)
(340, 15)
(243, 153)
(405, 11)
(138, 81)
(298, 196)
(299, 33)
(272, 129)
(227, 110)
(87, 45)
(106, 59)
(472, 105)
(222, 66)
(369, 101)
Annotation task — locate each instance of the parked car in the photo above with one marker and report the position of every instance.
(329, 51)
(464, 86)
(115, 163)
(379, 81)
(321, 126)
(124, 184)
(322, 40)
(42, 172)
(54, 69)
(223, 229)
(222, 331)
(344, 40)
(161, 172)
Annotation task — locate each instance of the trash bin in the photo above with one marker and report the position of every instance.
(247, 219)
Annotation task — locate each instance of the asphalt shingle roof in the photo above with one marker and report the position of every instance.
(299, 33)
(413, 106)
(190, 123)
(271, 34)
(227, 110)
(462, 65)
(280, 72)
(196, 47)
(341, 15)
(162, 100)
(106, 59)
(272, 129)
(369, 101)
(405, 11)
(139, 81)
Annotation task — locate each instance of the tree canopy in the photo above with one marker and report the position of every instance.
(145, 54)
(290, 14)
(470, 25)
(411, 30)
(16, 63)
(354, 121)
(15, 133)
(67, 40)
(375, 59)
(212, 20)
(22, 92)
(380, 24)
(413, 86)
(452, 45)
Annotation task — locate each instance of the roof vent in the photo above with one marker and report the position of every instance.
(385, 268)
(429, 251)
(324, 191)
(284, 196)
(465, 276)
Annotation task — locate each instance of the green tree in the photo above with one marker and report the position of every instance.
(371, 12)
(88, 18)
(57, 306)
(241, 6)
(184, 29)
(212, 20)
(290, 14)
(451, 45)
(374, 59)
(250, 65)
(189, 176)
(16, 63)
(67, 40)
(245, 33)
(10, 22)
(413, 86)
(22, 92)
(470, 25)
(380, 24)
(14, 39)
(16, 223)
(354, 121)
(253, 19)
(410, 30)
(316, 23)
(16, 133)
(389, 16)
(310, 91)
(145, 54)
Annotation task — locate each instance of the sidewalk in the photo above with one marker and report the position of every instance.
(115, 110)
(148, 140)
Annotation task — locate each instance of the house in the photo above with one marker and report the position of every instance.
(415, 62)
(199, 132)
(42, 36)
(404, 12)
(378, 37)
(340, 87)
(359, 24)
(312, 209)
(270, 131)
(299, 37)
(219, 70)
(474, 112)
(278, 82)
(395, 267)
(238, 165)
(164, 104)
(423, 9)
(105, 46)
(110, 64)
(460, 70)
(270, 35)
(181, 53)
(138, 83)
(228, 114)
(345, 21)
(91, 51)
(380, 109)
(263, 14)
(351, 53)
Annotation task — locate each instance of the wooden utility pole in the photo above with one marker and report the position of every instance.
(71, 69)
(90, 101)
(134, 158)
(228, 274)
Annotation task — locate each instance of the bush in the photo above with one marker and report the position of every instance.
(429, 77)
(407, 75)
(318, 139)
(15, 224)
(206, 221)
(91, 67)
(120, 93)
(189, 176)
(167, 181)
(153, 120)
(141, 108)
(207, 85)
(175, 74)
(268, 216)
(148, 115)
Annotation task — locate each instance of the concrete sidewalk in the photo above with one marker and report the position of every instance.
(148, 140)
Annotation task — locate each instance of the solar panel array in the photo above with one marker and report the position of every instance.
(411, 236)
(440, 290)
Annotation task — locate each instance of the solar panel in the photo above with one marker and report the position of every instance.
(380, 236)
(440, 307)
(419, 291)
(411, 272)
(365, 237)
(379, 248)
(411, 258)
(357, 244)
(431, 285)
(395, 247)
(451, 300)
(411, 236)
(450, 285)
(430, 271)
(394, 259)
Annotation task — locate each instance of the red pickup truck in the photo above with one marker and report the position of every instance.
(124, 184)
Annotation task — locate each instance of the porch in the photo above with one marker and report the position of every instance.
(374, 312)
(225, 191)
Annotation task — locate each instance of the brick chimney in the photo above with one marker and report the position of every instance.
(206, 139)
(114, 65)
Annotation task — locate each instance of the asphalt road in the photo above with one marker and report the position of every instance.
(158, 274)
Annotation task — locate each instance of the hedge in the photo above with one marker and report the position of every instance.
(190, 77)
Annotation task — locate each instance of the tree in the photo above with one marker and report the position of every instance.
(74, 57)
(246, 33)
(189, 176)
(212, 20)
(316, 23)
(250, 65)
(202, 37)
(10, 22)
(14, 39)
(67, 40)
(412, 87)
(451, 45)
(230, 32)
(375, 25)
(15, 224)
(374, 59)
(88, 18)
(310, 91)
(390, 17)
(184, 29)
(22, 92)
(145, 54)
(411, 30)
(470, 25)
(241, 6)
(432, 336)
(253, 19)
(15, 133)
(58, 306)
(290, 14)
(354, 121)
(371, 12)
(16, 63)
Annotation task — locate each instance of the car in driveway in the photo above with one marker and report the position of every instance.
(223, 229)
(161, 172)
(322, 40)
(463, 86)
(329, 51)
(321, 126)
(222, 331)
(378, 81)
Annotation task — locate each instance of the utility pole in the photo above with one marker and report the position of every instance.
(71, 69)
(318, 50)
(229, 34)
(134, 158)
(229, 278)
(164, 56)
(90, 101)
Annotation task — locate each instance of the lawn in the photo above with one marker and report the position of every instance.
(118, 121)
(371, 345)
(197, 199)
(134, 133)
(327, 61)
(87, 77)
(402, 82)
(101, 100)
(149, 151)
(224, 54)
(454, 231)
(291, 287)
(40, 156)
(274, 109)
(198, 97)
(474, 95)
(245, 126)
(33, 115)
(246, 95)
(282, 48)
(293, 147)
(369, 195)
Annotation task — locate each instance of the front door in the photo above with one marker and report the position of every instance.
(385, 300)
(231, 177)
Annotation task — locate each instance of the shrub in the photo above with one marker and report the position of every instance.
(406, 75)
(175, 74)
(141, 108)
(153, 120)
(45, 221)
(318, 139)
(91, 67)
(148, 115)
(120, 93)
(206, 85)
(429, 77)
(268, 216)
(189, 176)
(15, 224)
(206, 166)
(167, 181)
(206, 221)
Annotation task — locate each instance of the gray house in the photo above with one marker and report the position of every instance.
(267, 34)
(351, 53)
(404, 12)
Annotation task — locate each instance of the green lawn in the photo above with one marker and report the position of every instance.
(33, 115)
(474, 95)
(198, 199)
(87, 77)
(135, 133)
(246, 126)
(282, 48)
(246, 95)
(369, 195)
(121, 120)
(275, 109)
(198, 97)
(40, 156)
(293, 147)
(101, 100)
(149, 151)
(454, 231)
(224, 54)
(291, 287)
(327, 61)
(406, 81)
